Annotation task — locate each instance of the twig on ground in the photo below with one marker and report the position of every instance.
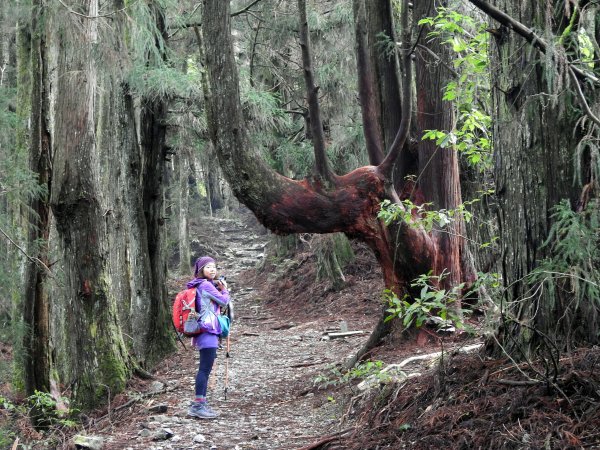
(518, 382)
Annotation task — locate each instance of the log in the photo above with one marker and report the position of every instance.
(342, 334)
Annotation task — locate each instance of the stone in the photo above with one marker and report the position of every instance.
(156, 386)
(163, 434)
(157, 409)
(88, 442)
(199, 438)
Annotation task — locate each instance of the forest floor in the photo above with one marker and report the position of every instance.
(283, 386)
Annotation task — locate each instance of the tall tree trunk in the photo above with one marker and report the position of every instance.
(438, 167)
(535, 147)
(383, 58)
(159, 338)
(36, 301)
(385, 63)
(183, 211)
(322, 171)
(98, 361)
(369, 102)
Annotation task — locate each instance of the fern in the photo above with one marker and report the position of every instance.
(570, 274)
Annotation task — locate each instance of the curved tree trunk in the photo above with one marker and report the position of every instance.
(287, 206)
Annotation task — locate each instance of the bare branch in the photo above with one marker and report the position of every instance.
(30, 258)
(246, 8)
(582, 99)
(98, 16)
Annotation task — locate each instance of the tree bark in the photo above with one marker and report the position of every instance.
(99, 363)
(36, 301)
(369, 103)
(385, 64)
(287, 206)
(322, 171)
(183, 208)
(535, 145)
(153, 119)
(439, 180)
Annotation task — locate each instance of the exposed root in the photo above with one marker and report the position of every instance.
(465, 404)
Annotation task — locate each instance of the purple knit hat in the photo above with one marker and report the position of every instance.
(200, 263)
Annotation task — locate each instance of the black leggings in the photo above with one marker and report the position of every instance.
(207, 358)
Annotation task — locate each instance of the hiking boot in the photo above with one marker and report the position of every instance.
(201, 411)
(210, 410)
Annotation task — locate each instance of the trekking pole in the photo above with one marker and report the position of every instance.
(227, 367)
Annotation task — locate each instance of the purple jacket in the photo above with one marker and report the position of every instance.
(206, 291)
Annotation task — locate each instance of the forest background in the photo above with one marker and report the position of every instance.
(467, 132)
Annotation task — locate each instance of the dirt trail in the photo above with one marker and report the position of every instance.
(273, 362)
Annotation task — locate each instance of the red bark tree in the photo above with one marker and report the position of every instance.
(326, 202)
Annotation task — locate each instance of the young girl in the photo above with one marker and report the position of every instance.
(213, 295)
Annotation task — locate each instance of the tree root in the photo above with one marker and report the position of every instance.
(325, 440)
(381, 330)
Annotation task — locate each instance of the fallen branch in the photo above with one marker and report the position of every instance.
(342, 334)
(285, 326)
(519, 383)
(308, 364)
(466, 349)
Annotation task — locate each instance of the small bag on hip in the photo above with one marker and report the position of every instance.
(225, 323)
(191, 326)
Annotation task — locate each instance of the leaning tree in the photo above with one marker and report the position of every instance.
(327, 202)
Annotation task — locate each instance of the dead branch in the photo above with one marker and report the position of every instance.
(518, 382)
(135, 400)
(244, 9)
(30, 258)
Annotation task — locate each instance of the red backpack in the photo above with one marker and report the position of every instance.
(185, 302)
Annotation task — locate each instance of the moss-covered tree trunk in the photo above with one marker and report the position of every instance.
(153, 119)
(536, 135)
(98, 360)
(153, 123)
